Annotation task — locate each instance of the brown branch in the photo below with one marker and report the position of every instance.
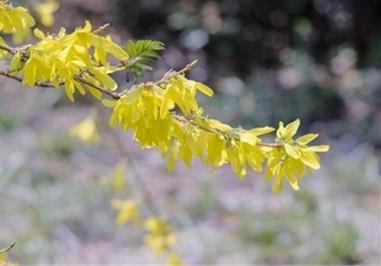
(7, 249)
(170, 74)
(7, 48)
(14, 50)
(38, 84)
(101, 28)
(114, 95)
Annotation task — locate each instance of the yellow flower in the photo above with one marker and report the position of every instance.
(15, 21)
(293, 158)
(45, 11)
(86, 130)
(128, 210)
(155, 225)
(62, 58)
(159, 238)
(160, 243)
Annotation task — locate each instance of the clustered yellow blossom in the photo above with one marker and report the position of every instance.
(161, 239)
(164, 114)
(160, 236)
(15, 21)
(294, 158)
(151, 110)
(68, 59)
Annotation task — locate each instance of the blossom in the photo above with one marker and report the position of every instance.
(15, 20)
(293, 158)
(159, 237)
(128, 211)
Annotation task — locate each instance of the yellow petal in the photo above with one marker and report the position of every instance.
(291, 129)
(261, 130)
(310, 159)
(204, 89)
(38, 33)
(15, 62)
(318, 148)
(305, 139)
(292, 151)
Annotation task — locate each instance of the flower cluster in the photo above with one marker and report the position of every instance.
(15, 21)
(166, 115)
(159, 234)
(294, 158)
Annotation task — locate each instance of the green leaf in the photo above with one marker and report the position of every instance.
(142, 53)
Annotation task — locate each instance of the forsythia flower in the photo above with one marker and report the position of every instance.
(293, 158)
(148, 109)
(86, 130)
(45, 11)
(15, 21)
(159, 238)
(66, 58)
(127, 211)
(163, 114)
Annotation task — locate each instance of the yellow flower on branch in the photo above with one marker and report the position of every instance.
(293, 158)
(15, 20)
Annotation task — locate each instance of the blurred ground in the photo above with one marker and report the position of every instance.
(55, 199)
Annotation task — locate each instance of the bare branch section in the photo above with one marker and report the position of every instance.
(7, 249)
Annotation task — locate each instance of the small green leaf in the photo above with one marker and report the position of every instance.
(142, 53)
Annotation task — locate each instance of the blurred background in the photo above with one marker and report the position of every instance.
(268, 61)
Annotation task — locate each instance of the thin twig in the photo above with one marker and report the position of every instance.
(170, 74)
(112, 94)
(193, 122)
(101, 28)
(7, 48)
(7, 249)
(38, 84)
